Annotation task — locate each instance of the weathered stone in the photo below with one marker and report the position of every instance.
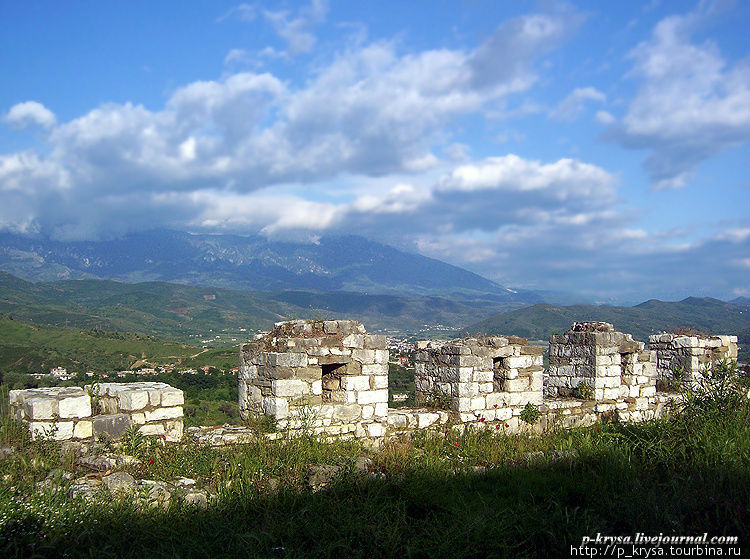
(112, 426)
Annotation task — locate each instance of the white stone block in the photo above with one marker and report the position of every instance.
(375, 430)
(317, 387)
(160, 414)
(381, 356)
(277, 407)
(172, 397)
(483, 376)
(468, 389)
(138, 418)
(379, 381)
(375, 369)
(289, 388)
(478, 403)
(83, 430)
(372, 396)
(519, 362)
(40, 408)
(152, 429)
(495, 399)
(355, 382)
(130, 400)
(425, 419)
(648, 391)
(381, 409)
(75, 407)
(368, 412)
(486, 387)
(353, 341)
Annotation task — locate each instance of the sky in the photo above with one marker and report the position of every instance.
(597, 148)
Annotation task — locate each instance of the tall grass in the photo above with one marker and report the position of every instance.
(477, 494)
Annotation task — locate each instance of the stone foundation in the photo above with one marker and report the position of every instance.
(108, 410)
(687, 356)
(324, 376)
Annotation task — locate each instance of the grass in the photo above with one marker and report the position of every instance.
(477, 494)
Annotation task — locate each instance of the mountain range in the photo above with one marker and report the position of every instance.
(332, 263)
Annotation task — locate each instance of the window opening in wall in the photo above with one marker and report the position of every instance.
(332, 390)
(499, 370)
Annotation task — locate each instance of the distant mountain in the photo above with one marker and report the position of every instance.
(705, 314)
(345, 263)
(741, 301)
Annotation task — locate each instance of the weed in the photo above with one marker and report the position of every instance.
(530, 414)
(585, 391)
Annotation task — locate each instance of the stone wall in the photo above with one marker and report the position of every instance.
(594, 361)
(326, 376)
(107, 409)
(483, 379)
(689, 355)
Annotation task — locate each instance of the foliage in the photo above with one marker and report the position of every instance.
(585, 391)
(530, 414)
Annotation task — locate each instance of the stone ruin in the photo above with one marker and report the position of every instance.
(687, 356)
(487, 377)
(100, 410)
(594, 361)
(329, 376)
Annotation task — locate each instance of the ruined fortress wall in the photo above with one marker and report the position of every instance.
(327, 376)
(483, 379)
(687, 356)
(107, 409)
(593, 360)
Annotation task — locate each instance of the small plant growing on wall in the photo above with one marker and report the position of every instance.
(438, 399)
(585, 391)
(530, 414)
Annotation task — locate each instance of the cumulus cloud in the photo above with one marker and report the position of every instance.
(692, 103)
(30, 112)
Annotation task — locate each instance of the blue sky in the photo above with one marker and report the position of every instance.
(588, 147)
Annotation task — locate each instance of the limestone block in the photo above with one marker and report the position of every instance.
(83, 430)
(276, 407)
(40, 408)
(378, 381)
(381, 409)
(55, 430)
(462, 404)
(355, 382)
(288, 359)
(75, 407)
(346, 412)
(483, 376)
(486, 387)
(161, 414)
(495, 399)
(375, 430)
(398, 420)
(467, 389)
(317, 387)
(537, 380)
(173, 430)
(138, 418)
(375, 341)
(503, 414)
(152, 429)
(381, 356)
(519, 384)
(365, 356)
(648, 391)
(606, 382)
(368, 412)
(172, 397)
(478, 403)
(425, 419)
(130, 400)
(290, 388)
(375, 369)
(353, 341)
(372, 396)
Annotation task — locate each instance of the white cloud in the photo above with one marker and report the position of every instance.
(570, 107)
(692, 102)
(30, 112)
(603, 117)
(563, 179)
(298, 31)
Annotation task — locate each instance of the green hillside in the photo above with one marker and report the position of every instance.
(30, 348)
(197, 315)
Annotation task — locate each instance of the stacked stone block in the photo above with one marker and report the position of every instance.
(484, 379)
(329, 376)
(690, 355)
(155, 407)
(61, 413)
(588, 360)
(108, 409)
